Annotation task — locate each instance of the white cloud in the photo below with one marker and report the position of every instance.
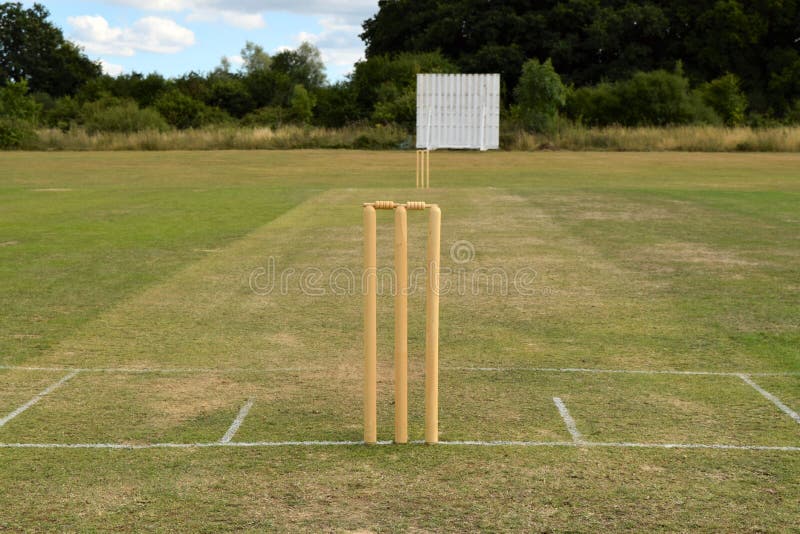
(236, 61)
(95, 35)
(354, 10)
(342, 57)
(245, 21)
(338, 41)
(149, 34)
(112, 69)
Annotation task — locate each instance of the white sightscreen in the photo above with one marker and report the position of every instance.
(458, 111)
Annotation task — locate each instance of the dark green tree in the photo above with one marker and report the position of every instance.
(230, 93)
(594, 41)
(724, 95)
(383, 77)
(540, 94)
(303, 66)
(336, 105)
(34, 50)
(19, 113)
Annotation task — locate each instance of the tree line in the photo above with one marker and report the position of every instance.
(595, 41)
(596, 62)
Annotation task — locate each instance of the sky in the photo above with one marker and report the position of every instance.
(173, 37)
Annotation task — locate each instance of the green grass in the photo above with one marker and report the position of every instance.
(657, 261)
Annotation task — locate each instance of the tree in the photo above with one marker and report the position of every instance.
(180, 110)
(594, 41)
(19, 113)
(268, 87)
(655, 98)
(540, 94)
(725, 96)
(303, 66)
(230, 94)
(301, 105)
(336, 105)
(255, 58)
(381, 77)
(35, 51)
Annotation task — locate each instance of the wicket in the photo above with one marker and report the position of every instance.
(401, 320)
(423, 169)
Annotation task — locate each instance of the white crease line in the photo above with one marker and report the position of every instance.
(269, 444)
(215, 444)
(237, 422)
(613, 371)
(146, 370)
(787, 448)
(770, 397)
(301, 443)
(501, 443)
(577, 437)
(37, 398)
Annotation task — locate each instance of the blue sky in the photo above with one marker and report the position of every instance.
(173, 37)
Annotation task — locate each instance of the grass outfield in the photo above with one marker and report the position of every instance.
(619, 348)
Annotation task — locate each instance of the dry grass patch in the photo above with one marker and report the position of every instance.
(699, 253)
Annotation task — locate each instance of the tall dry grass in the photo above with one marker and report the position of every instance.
(568, 137)
(677, 138)
(287, 137)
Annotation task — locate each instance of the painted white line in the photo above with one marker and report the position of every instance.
(268, 444)
(322, 443)
(214, 444)
(512, 443)
(611, 371)
(770, 397)
(577, 437)
(714, 446)
(237, 422)
(155, 370)
(37, 398)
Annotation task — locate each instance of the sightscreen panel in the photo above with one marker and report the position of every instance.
(458, 111)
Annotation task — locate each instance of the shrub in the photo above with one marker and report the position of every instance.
(16, 133)
(63, 114)
(19, 113)
(336, 106)
(114, 115)
(725, 96)
(539, 95)
(401, 70)
(183, 112)
(793, 117)
(656, 98)
(270, 116)
(594, 106)
(395, 106)
(231, 95)
(301, 105)
(268, 88)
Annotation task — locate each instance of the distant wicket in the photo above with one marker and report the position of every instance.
(401, 320)
(423, 169)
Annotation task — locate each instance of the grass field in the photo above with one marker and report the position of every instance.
(620, 343)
